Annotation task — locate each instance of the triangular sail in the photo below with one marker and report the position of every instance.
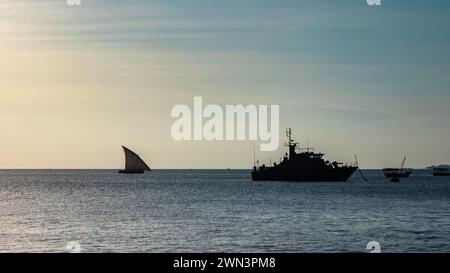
(133, 162)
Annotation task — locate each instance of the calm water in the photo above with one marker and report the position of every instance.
(219, 211)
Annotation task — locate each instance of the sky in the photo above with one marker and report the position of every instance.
(76, 83)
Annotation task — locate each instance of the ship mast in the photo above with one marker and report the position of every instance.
(403, 163)
(289, 135)
(290, 143)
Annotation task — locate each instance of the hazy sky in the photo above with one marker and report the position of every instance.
(78, 82)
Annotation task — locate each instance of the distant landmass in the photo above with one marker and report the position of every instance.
(439, 166)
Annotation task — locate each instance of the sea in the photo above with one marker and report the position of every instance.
(219, 211)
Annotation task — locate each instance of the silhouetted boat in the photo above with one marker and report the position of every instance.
(397, 173)
(441, 171)
(133, 163)
(302, 166)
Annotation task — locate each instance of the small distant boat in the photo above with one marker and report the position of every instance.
(397, 173)
(133, 163)
(441, 171)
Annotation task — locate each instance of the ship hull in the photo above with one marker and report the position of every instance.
(397, 173)
(131, 171)
(441, 172)
(306, 175)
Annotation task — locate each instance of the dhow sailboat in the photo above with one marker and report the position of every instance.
(133, 163)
